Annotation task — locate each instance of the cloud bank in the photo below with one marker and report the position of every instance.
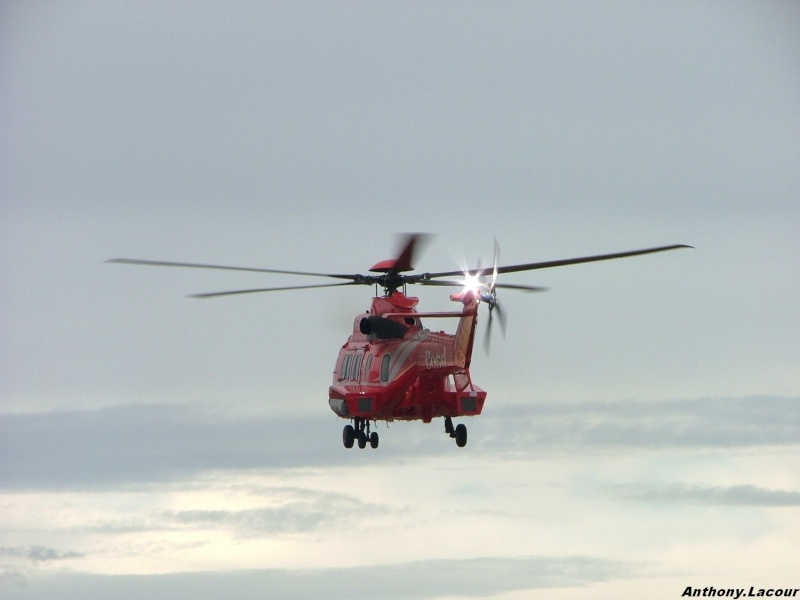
(155, 443)
(472, 578)
(736, 495)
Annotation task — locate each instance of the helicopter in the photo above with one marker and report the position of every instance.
(392, 367)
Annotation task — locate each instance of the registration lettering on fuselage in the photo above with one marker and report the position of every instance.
(435, 361)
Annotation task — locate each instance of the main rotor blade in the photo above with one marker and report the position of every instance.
(522, 288)
(271, 289)
(585, 259)
(162, 263)
(411, 243)
(507, 286)
(560, 263)
(439, 282)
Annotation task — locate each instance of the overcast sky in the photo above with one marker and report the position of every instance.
(642, 427)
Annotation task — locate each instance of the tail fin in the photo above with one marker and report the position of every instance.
(465, 334)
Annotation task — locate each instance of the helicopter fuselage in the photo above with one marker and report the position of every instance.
(393, 368)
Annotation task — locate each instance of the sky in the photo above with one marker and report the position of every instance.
(642, 425)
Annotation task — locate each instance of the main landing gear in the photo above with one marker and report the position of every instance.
(459, 432)
(359, 431)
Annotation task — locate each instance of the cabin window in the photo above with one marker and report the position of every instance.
(368, 367)
(385, 367)
(357, 366)
(345, 366)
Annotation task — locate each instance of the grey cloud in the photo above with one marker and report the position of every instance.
(124, 526)
(700, 423)
(284, 510)
(38, 554)
(737, 495)
(139, 443)
(295, 511)
(157, 443)
(421, 579)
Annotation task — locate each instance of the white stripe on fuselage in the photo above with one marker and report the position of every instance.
(403, 351)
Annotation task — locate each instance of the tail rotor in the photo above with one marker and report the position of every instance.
(490, 298)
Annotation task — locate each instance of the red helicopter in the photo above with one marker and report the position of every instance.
(392, 367)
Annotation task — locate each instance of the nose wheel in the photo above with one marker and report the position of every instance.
(458, 433)
(359, 432)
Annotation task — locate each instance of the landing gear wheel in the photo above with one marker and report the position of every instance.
(461, 435)
(358, 431)
(458, 433)
(348, 436)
